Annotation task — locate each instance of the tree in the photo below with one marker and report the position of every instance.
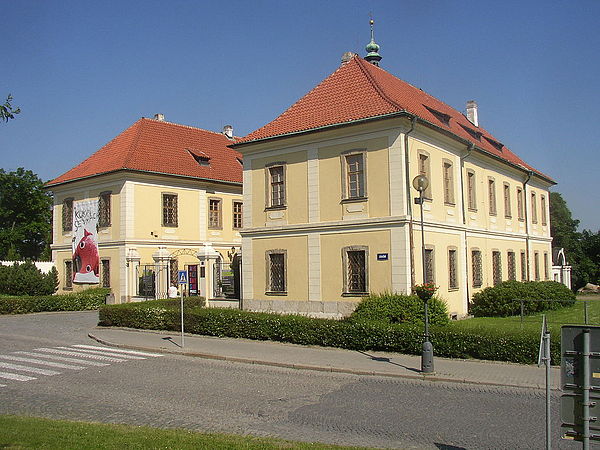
(7, 111)
(582, 249)
(25, 215)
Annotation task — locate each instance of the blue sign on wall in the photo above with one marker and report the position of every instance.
(382, 256)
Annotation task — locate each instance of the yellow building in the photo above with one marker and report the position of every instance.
(329, 211)
(168, 199)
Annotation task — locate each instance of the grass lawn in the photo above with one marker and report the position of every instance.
(573, 315)
(18, 432)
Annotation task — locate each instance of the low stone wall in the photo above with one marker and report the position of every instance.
(317, 309)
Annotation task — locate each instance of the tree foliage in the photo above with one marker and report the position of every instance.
(7, 111)
(582, 248)
(25, 215)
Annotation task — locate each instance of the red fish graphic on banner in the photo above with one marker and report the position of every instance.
(86, 260)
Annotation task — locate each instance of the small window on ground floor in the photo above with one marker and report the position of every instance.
(355, 270)
(276, 271)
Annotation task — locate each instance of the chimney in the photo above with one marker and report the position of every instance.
(472, 112)
(347, 56)
(228, 131)
(159, 117)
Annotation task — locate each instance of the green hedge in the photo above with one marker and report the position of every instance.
(363, 335)
(504, 299)
(400, 308)
(79, 301)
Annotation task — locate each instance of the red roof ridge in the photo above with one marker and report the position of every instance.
(134, 142)
(373, 82)
(187, 126)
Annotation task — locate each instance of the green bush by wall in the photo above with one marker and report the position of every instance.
(26, 279)
(504, 299)
(399, 308)
(79, 301)
(363, 335)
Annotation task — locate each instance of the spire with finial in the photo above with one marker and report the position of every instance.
(372, 48)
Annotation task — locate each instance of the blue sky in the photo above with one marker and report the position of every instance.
(83, 71)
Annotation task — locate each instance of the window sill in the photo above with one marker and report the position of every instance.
(354, 294)
(354, 199)
(454, 289)
(170, 226)
(449, 204)
(275, 208)
(215, 228)
(472, 209)
(276, 293)
(508, 217)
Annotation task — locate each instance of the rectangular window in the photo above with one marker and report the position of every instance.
(477, 267)
(214, 213)
(492, 195)
(472, 201)
(507, 206)
(237, 215)
(520, 204)
(546, 271)
(534, 215)
(355, 176)
(452, 270)
(356, 266)
(512, 266)
(169, 207)
(104, 209)
(543, 210)
(69, 274)
(425, 169)
(277, 186)
(497, 267)
(67, 214)
(536, 266)
(276, 271)
(429, 269)
(448, 183)
(523, 267)
(105, 273)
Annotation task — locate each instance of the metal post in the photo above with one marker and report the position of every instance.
(586, 389)
(427, 355)
(547, 361)
(182, 287)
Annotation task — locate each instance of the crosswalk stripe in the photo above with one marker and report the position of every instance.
(64, 358)
(85, 355)
(14, 376)
(96, 352)
(28, 369)
(41, 362)
(118, 350)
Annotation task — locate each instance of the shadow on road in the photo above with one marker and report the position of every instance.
(389, 361)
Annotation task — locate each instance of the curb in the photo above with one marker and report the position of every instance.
(212, 356)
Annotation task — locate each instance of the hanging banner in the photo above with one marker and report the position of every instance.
(85, 242)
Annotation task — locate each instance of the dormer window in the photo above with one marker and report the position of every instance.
(442, 117)
(496, 144)
(201, 158)
(474, 133)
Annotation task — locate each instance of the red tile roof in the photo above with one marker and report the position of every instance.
(359, 90)
(162, 147)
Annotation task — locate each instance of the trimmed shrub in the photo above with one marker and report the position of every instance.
(504, 300)
(26, 279)
(78, 301)
(363, 335)
(399, 308)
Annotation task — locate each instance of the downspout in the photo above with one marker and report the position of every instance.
(470, 149)
(527, 253)
(408, 201)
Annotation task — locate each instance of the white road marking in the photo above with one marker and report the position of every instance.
(43, 363)
(118, 350)
(96, 352)
(28, 369)
(73, 353)
(14, 376)
(63, 358)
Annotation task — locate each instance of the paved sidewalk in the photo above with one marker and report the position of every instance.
(327, 359)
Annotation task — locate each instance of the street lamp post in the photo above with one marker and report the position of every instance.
(420, 183)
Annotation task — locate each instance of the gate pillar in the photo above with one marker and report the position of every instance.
(133, 265)
(207, 256)
(161, 262)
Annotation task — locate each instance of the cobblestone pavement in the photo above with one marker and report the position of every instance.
(210, 395)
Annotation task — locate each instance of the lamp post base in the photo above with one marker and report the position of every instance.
(427, 358)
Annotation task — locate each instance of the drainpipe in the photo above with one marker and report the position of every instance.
(527, 253)
(409, 202)
(470, 149)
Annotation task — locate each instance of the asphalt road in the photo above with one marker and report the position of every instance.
(208, 395)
